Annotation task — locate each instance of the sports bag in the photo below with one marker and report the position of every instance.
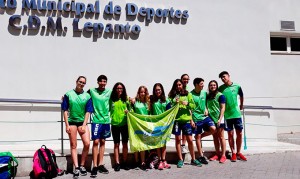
(44, 164)
(8, 165)
(152, 160)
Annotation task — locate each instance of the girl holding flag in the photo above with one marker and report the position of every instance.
(159, 104)
(141, 106)
(183, 121)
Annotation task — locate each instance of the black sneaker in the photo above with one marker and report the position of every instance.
(143, 166)
(203, 160)
(102, 169)
(117, 167)
(135, 166)
(94, 172)
(76, 173)
(82, 171)
(125, 166)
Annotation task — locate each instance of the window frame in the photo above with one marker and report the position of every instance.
(287, 36)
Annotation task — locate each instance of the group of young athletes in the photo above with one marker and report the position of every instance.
(201, 113)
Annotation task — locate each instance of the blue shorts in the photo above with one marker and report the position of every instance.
(185, 127)
(237, 123)
(100, 131)
(222, 125)
(205, 124)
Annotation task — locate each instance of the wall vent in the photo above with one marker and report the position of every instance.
(287, 25)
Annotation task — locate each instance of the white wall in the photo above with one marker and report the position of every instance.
(219, 35)
(285, 69)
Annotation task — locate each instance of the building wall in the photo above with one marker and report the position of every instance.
(219, 35)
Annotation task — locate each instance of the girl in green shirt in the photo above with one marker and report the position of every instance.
(183, 120)
(141, 106)
(216, 108)
(119, 105)
(158, 105)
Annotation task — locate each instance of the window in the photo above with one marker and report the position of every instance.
(285, 43)
(278, 44)
(295, 44)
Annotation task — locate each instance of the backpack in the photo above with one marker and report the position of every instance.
(8, 165)
(44, 164)
(152, 160)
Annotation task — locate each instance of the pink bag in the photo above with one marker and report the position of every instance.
(44, 164)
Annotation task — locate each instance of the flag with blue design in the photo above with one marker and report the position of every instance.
(150, 131)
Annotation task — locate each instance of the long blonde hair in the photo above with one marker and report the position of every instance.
(147, 97)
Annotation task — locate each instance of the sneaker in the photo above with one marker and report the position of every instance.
(166, 165)
(184, 150)
(82, 171)
(196, 163)
(241, 157)
(223, 159)
(233, 157)
(180, 164)
(94, 172)
(143, 166)
(125, 166)
(202, 160)
(135, 166)
(214, 158)
(117, 167)
(161, 165)
(76, 173)
(102, 169)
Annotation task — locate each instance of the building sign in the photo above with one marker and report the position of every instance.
(55, 11)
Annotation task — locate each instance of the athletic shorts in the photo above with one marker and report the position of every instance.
(120, 130)
(75, 124)
(237, 123)
(205, 124)
(185, 127)
(222, 125)
(100, 131)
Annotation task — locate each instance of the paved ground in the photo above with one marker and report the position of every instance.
(275, 165)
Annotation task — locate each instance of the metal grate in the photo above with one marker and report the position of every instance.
(287, 25)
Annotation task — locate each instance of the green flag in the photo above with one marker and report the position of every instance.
(150, 131)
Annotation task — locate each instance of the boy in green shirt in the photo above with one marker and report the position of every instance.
(200, 116)
(232, 114)
(100, 123)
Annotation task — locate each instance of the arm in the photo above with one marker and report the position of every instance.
(89, 109)
(222, 110)
(222, 102)
(65, 108)
(241, 94)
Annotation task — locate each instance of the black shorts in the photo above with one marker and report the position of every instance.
(75, 124)
(117, 130)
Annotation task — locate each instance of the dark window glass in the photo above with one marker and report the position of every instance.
(278, 43)
(295, 44)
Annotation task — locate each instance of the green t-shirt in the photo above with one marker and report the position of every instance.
(232, 109)
(101, 105)
(200, 102)
(140, 108)
(213, 107)
(77, 104)
(159, 107)
(117, 112)
(184, 112)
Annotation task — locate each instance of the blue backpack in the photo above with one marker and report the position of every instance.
(8, 165)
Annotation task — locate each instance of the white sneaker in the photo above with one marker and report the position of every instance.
(184, 150)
